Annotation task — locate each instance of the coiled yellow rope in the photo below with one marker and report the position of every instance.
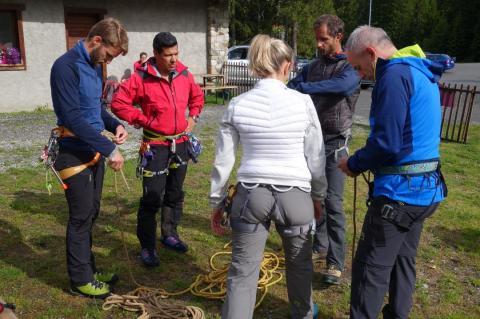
(213, 285)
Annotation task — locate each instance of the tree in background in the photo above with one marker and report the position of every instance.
(440, 26)
(278, 18)
(304, 13)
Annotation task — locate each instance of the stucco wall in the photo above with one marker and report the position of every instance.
(44, 35)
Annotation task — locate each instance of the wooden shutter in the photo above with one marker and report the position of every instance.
(77, 25)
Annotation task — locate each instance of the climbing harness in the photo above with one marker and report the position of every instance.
(337, 151)
(227, 202)
(194, 147)
(50, 152)
(145, 153)
(409, 169)
(74, 170)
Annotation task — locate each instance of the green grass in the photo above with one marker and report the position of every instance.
(32, 244)
(211, 99)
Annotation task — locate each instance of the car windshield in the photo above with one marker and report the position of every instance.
(238, 54)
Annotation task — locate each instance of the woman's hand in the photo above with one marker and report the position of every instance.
(317, 209)
(216, 221)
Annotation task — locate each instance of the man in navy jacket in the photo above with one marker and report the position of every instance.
(76, 85)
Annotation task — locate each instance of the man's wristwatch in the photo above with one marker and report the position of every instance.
(195, 118)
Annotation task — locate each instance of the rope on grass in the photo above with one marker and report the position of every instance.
(150, 302)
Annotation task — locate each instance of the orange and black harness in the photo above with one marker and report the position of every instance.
(50, 153)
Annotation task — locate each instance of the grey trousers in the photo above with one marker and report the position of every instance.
(251, 215)
(330, 231)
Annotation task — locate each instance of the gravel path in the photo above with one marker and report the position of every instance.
(23, 135)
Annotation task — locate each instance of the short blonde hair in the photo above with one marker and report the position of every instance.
(266, 55)
(113, 33)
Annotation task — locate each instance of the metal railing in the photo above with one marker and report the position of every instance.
(239, 75)
(457, 105)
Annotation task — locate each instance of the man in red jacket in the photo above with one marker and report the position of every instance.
(164, 88)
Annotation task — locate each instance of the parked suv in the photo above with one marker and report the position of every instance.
(443, 59)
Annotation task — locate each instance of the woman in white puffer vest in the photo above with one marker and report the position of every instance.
(281, 179)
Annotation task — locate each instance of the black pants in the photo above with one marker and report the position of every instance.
(385, 261)
(83, 197)
(161, 190)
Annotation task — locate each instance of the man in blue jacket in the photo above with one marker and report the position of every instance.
(402, 151)
(334, 88)
(76, 85)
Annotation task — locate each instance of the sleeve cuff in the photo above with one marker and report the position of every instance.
(318, 197)
(215, 202)
(115, 150)
(351, 163)
(194, 112)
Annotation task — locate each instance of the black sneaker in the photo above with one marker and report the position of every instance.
(174, 243)
(149, 257)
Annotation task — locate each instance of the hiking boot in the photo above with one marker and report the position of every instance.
(106, 277)
(174, 243)
(93, 289)
(332, 275)
(149, 257)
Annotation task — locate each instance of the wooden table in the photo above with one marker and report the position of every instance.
(212, 79)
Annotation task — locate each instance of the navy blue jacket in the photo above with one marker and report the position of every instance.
(405, 120)
(345, 83)
(76, 87)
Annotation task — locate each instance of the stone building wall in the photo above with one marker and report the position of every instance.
(217, 34)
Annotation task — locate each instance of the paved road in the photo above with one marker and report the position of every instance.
(464, 73)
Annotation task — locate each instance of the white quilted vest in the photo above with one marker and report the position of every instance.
(271, 120)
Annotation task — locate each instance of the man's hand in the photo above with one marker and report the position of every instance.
(115, 161)
(121, 135)
(216, 221)
(317, 209)
(343, 166)
(191, 125)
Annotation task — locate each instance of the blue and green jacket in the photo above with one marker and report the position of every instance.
(405, 119)
(76, 86)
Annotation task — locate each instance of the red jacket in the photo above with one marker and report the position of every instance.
(162, 104)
